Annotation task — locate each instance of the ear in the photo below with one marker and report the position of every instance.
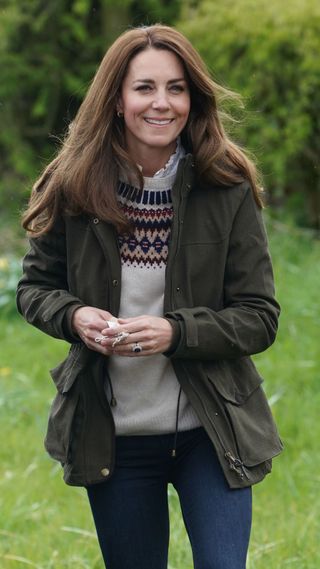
(119, 105)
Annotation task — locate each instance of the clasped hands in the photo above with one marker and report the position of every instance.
(131, 337)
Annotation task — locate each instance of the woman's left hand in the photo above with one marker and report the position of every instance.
(152, 334)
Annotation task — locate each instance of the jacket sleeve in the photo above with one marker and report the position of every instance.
(247, 323)
(43, 297)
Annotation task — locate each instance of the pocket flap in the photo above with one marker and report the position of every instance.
(235, 380)
(65, 374)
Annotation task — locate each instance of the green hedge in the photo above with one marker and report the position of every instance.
(49, 52)
(268, 50)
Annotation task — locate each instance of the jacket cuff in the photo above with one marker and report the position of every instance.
(175, 337)
(67, 323)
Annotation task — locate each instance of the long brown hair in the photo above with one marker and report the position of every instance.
(84, 174)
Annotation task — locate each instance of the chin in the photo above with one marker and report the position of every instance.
(161, 141)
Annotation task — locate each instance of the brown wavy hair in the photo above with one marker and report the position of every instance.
(82, 178)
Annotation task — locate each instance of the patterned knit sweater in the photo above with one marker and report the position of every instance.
(146, 388)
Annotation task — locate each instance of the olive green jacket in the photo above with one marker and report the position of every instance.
(219, 296)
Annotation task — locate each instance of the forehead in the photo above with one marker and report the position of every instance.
(154, 63)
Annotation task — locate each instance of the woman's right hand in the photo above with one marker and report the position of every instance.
(87, 322)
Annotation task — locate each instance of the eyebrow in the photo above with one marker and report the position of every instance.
(152, 80)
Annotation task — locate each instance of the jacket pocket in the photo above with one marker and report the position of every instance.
(64, 405)
(65, 374)
(237, 384)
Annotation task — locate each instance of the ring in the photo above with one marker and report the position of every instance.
(137, 348)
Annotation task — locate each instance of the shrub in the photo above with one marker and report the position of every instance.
(49, 52)
(268, 51)
(10, 272)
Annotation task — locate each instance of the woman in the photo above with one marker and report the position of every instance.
(149, 255)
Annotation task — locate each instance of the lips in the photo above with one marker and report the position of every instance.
(158, 122)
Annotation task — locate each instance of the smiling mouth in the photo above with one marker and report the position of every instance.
(158, 122)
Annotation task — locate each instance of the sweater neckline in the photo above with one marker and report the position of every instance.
(164, 178)
(154, 184)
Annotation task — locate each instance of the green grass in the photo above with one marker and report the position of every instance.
(46, 525)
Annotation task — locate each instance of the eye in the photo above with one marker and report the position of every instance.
(177, 88)
(143, 88)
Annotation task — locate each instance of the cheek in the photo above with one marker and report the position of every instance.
(185, 108)
(133, 107)
(185, 111)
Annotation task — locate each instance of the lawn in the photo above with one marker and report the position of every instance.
(45, 524)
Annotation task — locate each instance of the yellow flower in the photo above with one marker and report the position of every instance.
(4, 264)
(5, 371)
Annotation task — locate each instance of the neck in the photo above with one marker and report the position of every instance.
(152, 159)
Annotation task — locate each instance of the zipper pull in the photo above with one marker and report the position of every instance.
(236, 465)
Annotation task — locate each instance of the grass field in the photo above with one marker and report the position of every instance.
(46, 525)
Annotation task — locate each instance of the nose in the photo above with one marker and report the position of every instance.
(161, 101)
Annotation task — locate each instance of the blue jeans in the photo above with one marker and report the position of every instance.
(131, 509)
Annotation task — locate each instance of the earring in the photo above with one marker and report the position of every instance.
(119, 114)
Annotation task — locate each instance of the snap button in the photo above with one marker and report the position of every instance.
(95, 220)
(178, 289)
(115, 282)
(105, 471)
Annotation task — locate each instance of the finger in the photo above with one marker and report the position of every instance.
(92, 337)
(98, 347)
(130, 350)
(130, 328)
(113, 340)
(136, 321)
(122, 339)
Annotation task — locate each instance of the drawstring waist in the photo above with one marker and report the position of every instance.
(113, 401)
(174, 449)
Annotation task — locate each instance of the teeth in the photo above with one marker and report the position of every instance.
(158, 121)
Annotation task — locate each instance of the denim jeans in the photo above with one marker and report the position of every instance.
(131, 509)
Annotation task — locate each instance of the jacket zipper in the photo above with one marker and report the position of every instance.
(176, 231)
(235, 464)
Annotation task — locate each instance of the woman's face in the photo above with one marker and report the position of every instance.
(155, 101)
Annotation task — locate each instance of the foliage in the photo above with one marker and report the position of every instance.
(49, 52)
(267, 51)
(46, 525)
(10, 271)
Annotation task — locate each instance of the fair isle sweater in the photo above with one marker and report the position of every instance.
(146, 388)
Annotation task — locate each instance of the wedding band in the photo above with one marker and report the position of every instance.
(137, 348)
